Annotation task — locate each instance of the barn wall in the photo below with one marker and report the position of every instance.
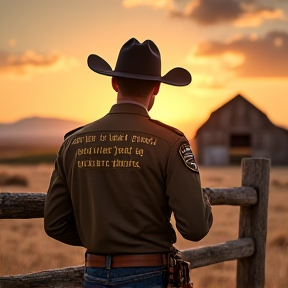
(239, 117)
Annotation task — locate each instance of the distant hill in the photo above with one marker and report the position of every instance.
(37, 127)
(33, 135)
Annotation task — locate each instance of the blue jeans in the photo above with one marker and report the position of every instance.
(128, 277)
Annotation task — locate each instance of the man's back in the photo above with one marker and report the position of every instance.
(116, 170)
(117, 180)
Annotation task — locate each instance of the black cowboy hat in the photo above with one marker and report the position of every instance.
(139, 61)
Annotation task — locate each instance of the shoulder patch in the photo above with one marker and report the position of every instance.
(72, 132)
(188, 157)
(168, 127)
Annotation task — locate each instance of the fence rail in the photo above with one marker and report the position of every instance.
(31, 205)
(248, 250)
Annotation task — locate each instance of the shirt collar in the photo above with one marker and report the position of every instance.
(129, 108)
(132, 102)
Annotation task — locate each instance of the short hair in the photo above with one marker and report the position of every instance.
(135, 87)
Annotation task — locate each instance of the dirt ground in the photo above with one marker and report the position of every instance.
(25, 248)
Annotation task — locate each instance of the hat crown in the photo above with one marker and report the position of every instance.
(139, 58)
(139, 61)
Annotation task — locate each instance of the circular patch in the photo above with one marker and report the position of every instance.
(188, 157)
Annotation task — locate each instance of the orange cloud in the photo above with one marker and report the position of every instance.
(30, 63)
(256, 17)
(250, 56)
(207, 12)
(212, 72)
(240, 13)
(248, 13)
(153, 3)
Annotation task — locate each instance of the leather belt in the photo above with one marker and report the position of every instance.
(133, 260)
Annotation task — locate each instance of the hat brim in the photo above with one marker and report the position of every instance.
(177, 76)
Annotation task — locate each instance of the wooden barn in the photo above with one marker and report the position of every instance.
(236, 130)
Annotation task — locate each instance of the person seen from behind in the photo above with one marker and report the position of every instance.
(118, 179)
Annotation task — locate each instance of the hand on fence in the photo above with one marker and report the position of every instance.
(207, 199)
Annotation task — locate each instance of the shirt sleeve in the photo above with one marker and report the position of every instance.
(59, 220)
(191, 210)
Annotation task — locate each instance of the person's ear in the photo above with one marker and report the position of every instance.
(115, 84)
(151, 102)
(156, 88)
(152, 97)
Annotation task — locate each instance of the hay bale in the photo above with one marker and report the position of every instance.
(13, 180)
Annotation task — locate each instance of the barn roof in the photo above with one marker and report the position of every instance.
(233, 102)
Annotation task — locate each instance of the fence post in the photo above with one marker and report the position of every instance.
(253, 223)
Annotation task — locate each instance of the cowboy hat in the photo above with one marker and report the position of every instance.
(139, 61)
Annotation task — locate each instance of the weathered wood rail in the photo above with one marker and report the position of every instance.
(248, 250)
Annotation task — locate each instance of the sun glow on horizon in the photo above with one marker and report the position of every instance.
(224, 60)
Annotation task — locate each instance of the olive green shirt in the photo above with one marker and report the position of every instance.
(116, 182)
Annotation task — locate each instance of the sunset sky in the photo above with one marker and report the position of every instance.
(229, 46)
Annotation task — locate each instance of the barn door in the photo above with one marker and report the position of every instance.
(240, 147)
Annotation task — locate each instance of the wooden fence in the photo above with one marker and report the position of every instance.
(248, 250)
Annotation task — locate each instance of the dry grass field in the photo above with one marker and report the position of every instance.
(25, 248)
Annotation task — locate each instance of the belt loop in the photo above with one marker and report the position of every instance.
(86, 257)
(108, 262)
(165, 259)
